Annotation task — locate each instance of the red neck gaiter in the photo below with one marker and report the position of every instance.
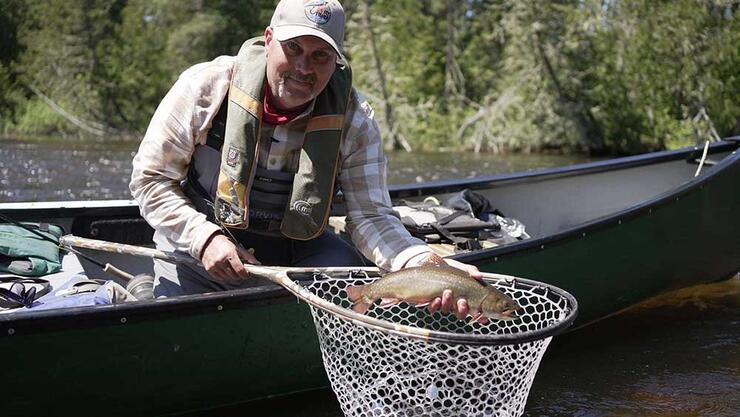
(274, 116)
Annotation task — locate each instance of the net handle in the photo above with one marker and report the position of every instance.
(72, 241)
(278, 275)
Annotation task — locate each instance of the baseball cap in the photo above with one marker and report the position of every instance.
(321, 18)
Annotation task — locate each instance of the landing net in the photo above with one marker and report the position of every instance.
(443, 368)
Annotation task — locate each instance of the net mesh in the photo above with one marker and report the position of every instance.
(377, 373)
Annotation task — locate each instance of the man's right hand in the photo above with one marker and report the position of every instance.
(222, 259)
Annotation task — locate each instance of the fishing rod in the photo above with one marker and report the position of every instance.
(106, 267)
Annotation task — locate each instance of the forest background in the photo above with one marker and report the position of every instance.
(602, 77)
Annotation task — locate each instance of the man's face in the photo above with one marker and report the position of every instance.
(297, 69)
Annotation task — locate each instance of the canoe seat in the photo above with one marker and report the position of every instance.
(134, 231)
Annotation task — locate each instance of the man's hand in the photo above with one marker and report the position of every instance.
(447, 302)
(223, 260)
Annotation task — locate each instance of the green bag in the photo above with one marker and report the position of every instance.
(26, 254)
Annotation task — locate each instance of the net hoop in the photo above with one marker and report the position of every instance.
(566, 302)
(404, 361)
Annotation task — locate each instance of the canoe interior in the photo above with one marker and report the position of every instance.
(549, 204)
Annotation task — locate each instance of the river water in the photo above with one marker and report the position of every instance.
(675, 355)
(54, 169)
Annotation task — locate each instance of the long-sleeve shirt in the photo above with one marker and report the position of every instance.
(181, 122)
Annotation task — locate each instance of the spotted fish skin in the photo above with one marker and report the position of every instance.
(420, 285)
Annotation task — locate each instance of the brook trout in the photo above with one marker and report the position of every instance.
(420, 285)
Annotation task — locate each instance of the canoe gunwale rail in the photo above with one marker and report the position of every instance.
(484, 182)
(31, 322)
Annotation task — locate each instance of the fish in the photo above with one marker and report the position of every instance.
(422, 284)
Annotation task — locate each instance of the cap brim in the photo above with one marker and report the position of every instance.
(284, 33)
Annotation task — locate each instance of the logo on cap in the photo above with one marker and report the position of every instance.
(318, 11)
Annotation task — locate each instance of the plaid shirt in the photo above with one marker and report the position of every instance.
(182, 121)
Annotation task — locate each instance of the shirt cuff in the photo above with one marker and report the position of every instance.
(203, 233)
(407, 254)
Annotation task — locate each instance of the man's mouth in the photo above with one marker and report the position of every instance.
(305, 82)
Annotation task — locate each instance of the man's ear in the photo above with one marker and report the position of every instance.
(268, 36)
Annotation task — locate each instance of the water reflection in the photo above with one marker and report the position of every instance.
(405, 168)
(674, 355)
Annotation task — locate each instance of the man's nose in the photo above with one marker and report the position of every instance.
(303, 65)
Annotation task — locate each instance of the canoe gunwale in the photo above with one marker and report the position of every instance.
(485, 182)
(29, 322)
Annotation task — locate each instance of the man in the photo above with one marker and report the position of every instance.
(246, 151)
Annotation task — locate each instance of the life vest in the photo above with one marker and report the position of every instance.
(25, 253)
(306, 211)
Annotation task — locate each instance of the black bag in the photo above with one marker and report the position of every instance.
(465, 220)
(21, 292)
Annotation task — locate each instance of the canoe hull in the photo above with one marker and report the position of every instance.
(174, 364)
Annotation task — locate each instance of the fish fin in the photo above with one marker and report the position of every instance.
(387, 302)
(435, 259)
(475, 318)
(354, 292)
(361, 306)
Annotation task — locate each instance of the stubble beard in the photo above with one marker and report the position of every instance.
(281, 88)
(285, 95)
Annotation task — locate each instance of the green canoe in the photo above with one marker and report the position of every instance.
(611, 233)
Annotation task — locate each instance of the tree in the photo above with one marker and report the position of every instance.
(11, 13)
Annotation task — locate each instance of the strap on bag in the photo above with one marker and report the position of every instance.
(18, 295)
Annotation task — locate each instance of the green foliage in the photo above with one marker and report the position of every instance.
(8, 96)
(34, 117)
(11, 13)
(621, 76)
(659, 80)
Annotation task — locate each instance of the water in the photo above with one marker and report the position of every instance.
(676, 355)
(59, 169)
(56, 169)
